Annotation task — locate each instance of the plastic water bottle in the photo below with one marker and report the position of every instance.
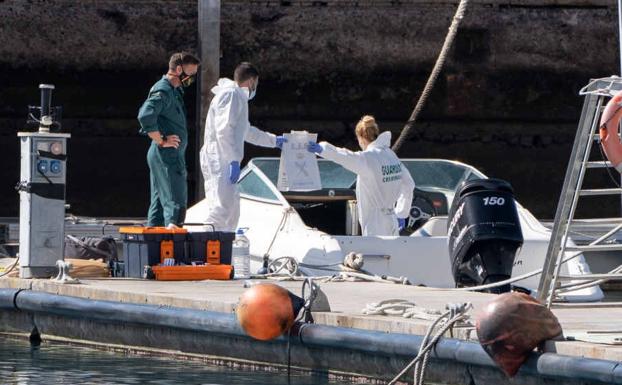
(241, 256)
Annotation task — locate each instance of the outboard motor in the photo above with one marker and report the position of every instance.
(484, 233)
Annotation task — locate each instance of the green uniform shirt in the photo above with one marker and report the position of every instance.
(164, 111)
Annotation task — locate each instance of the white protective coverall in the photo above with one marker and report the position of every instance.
(226, 129)
(384, 187)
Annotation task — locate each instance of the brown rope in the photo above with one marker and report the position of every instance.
(449, 39)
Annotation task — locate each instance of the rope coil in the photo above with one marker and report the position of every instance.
(401, 307)
(289, 269)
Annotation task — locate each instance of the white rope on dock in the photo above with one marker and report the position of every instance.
(401, 307)
(350, 270)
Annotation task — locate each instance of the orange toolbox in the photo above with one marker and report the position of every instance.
(149, 246)
(192, 272)
(209, 255)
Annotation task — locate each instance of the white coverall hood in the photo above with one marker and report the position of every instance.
(384, 187)
(382, 141)
(226, 129)
(225, 84)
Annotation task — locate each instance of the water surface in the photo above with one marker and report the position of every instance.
(55, 363)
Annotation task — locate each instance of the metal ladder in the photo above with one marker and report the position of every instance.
(596, 93)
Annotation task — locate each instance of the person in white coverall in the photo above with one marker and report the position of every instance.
(384, 187)
(226, 129)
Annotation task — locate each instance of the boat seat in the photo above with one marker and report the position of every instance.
(434, 227)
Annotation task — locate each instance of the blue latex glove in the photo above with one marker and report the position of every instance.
(401, 223)
(234, 171)
(314, 148)
(279, 141)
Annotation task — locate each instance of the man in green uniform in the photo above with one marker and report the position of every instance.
(163, 118)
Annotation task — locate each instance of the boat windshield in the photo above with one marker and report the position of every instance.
(439, 173)
(331, 209)
(332, 175)
(427, 173)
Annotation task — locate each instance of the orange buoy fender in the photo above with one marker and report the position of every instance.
(609, 122)
(511, 326)
(266, 311)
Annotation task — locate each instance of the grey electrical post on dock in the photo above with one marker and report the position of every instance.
(209, 46)
(42, 194)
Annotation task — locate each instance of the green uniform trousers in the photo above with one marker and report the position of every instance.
(169, 191)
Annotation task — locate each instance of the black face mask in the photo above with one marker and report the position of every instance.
(185, 79)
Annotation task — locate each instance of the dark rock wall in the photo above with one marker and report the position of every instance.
(506, 102)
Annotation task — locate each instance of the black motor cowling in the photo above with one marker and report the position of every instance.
(484, 233)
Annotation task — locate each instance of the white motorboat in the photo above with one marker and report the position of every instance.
(320, 228)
